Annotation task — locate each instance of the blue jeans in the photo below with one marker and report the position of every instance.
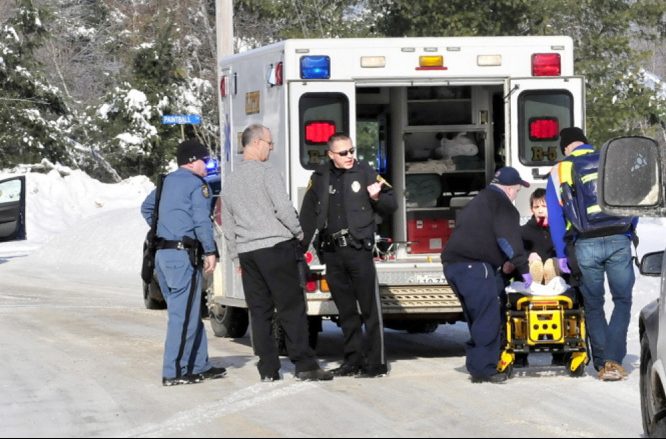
(610, 255)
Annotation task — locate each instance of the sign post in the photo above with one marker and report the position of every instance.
(181, 119)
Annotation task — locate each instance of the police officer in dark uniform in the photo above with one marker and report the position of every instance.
(342, 199)
(487, 235)
(185, 237)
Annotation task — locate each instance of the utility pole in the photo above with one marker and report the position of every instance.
(224, 14)
(224, 26)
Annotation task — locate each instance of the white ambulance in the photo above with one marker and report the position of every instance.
(435, 116)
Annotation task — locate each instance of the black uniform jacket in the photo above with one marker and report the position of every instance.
(486, 230)
(537, 239)
(359, 207)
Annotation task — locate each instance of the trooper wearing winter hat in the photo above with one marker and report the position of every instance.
(487, 235)
(185, 248)
(589, 243)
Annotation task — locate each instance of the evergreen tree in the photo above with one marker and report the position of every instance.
(618, 100)
(34, 118)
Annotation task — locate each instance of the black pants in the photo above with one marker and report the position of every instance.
(270, 282)
(352, 277)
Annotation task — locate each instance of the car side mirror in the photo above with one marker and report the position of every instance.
(631, 177)
(651, 264)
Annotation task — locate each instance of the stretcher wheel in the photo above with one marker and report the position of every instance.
(577, 372)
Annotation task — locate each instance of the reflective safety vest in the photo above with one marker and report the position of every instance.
(579, 197)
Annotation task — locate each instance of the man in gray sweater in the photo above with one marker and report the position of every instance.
(262, 232)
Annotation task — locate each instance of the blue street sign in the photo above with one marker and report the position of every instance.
(181, 119)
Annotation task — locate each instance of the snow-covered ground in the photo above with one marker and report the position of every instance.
(79, 228)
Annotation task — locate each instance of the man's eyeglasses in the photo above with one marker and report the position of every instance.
(345, 152)
(269, 143)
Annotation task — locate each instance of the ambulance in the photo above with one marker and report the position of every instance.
(435, 116)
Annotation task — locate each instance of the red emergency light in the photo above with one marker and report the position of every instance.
(223, 86)
(278, 74)
(319, 131)
(546, 64)
(544, 128)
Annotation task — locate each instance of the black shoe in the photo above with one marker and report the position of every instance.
(275, 376)
(213, 373)
(314, 375)
(346, 370)
(495, 379)
(374, 371)
(187, 379)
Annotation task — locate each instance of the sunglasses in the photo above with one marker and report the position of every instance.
(345, 152)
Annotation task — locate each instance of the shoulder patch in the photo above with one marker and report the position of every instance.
(205, 191)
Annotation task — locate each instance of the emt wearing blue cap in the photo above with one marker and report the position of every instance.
(486, 236)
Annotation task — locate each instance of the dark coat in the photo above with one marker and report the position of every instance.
(488, 230)
(359, 207)
(537, 239)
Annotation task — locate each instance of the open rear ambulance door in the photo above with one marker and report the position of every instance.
(537, 109)
(317, 110)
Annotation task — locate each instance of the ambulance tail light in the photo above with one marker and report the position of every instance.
(323, 285)
(319, 131)
(315, 67)
(546, 64)
(311, 284)
(309, 257)
(544, 128)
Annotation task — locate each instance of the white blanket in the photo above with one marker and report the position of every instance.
(556, 286)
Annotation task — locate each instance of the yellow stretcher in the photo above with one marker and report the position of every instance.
(545, 324)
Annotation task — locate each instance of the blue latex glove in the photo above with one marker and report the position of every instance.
(527, 280)
(563, 263)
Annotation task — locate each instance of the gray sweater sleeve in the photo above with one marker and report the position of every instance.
(284, 210)
(229, 230)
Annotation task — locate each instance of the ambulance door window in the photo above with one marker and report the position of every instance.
(543, 113)
(321, 115)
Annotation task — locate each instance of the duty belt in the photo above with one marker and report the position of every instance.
(339, 239)
(184, 244)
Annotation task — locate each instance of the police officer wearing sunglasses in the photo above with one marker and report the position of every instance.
(341, 203)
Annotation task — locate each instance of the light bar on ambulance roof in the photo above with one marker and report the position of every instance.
(431, 62)
(368, 62)
(489, 60)
(315, 67)
(544, 128)
(546, 64)
(319, 131)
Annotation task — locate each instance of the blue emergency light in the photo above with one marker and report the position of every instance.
(315, 67)
(212, 166)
